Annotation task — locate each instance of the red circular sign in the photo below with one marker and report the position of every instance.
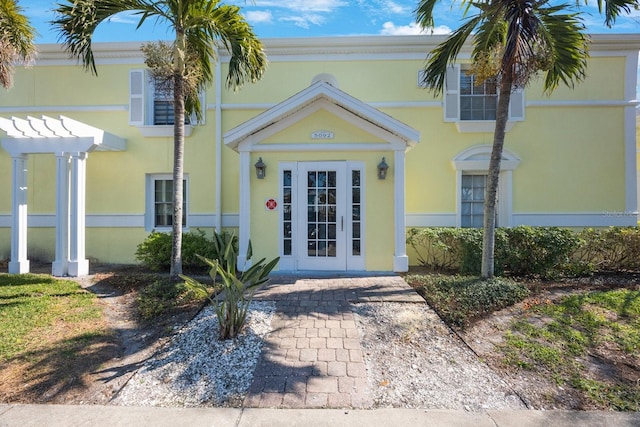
(271, 204)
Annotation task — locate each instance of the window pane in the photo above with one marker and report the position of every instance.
(163, 202)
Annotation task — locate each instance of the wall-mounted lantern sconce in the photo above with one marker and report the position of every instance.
(382, 169)
(261, 169)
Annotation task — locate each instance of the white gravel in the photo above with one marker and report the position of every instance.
(414, 361)
(196, 369)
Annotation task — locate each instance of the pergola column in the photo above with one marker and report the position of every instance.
(78, 265)
(19, 263)
(60, 266)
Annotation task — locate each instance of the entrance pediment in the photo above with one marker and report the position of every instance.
(321, 107)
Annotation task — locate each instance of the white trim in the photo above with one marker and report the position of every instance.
(630, 126)
(63, 108)
(319, 95)
(323, 49)
(288, 262)
(576, 219)
(320, 147)
(475, 160)
(244, 233)
(535, 219)
(480, 126)
(583, 103)
(121, 220)
(149, 203)
(431, 219)
(162, 131)
(356, 263)
(400, 258)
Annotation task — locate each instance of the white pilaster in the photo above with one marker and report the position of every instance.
(19, 263)
(78, 265)
(400, 259)
(60, 266)
(244, 233)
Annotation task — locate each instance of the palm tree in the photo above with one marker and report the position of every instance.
(197, 24)
(16, 40)
(514, 40)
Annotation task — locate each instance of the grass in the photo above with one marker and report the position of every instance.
(556, 339)
(30, 305)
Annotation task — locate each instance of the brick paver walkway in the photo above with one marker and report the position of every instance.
(312, 357)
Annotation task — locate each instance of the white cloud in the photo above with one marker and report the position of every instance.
(304, 21)
(259, 16)
(389, 28)
(304, 5)
(391, 6)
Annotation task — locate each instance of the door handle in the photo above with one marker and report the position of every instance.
(342, 223)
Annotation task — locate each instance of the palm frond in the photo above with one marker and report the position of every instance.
(446, 53)
(16, 40)
(565, 36)
(77, 20)
(614, 8)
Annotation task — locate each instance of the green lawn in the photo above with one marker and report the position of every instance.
(33, 307)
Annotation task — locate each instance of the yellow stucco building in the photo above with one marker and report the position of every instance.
(85, 169)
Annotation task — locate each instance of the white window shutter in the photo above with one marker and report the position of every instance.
(452, 94)
(516, 106)
(137, 84)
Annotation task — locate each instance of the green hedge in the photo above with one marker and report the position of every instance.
(459, 300)
(529, 251)
(155, 251)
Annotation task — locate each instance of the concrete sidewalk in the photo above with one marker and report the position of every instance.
(125, 416)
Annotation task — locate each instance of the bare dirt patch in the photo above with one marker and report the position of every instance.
(539, 390)
(104, 362)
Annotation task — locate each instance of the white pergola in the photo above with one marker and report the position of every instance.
(71, 142)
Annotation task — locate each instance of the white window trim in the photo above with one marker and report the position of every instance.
(149, 212)
(475, 160)
(140, 83)
(451, 106)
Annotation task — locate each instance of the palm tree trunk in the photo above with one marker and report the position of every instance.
(178, 177)
(178, 154)
(491, 195)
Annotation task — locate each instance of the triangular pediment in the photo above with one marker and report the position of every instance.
(322, 101)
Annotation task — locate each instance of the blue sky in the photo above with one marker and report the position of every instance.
(306, 18)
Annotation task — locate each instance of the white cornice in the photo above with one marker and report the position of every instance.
(308, 48)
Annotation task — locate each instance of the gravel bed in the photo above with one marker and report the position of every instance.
(196, 369)
(415, 361)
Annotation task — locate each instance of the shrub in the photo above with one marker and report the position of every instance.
(232, 303)
(610, 249)
(461, 299)
(160, 297)
(155, 251)
(538, 251)
(519, 251)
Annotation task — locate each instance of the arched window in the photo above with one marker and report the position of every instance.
(472, 166)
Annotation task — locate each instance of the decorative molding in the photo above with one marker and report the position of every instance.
(582, 103)
(62, 108)
(162, 131)
(476, 126)
(576, 219)
(116, 220)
